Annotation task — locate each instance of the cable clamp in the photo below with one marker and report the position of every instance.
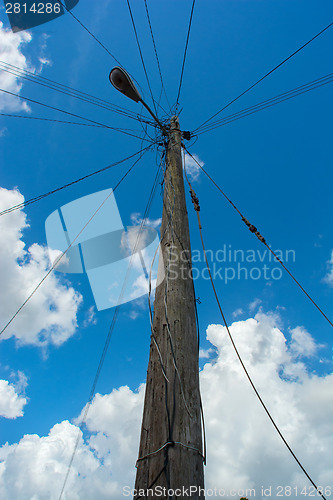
(254, 230)
(195, 200)
(171, 444)
(186, 135)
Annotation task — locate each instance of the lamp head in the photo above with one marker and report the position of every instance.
(121, 80)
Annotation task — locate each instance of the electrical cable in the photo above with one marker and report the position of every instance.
(156, 55)
(90, 33)
(185, 53)
(254, 230)
(123, 131)
(66, 90)
(265, 76)
(141, 55)
(197, 209)
(42, 196)
(268, 103)
(51, 120)
(111, 329)
(56, 262)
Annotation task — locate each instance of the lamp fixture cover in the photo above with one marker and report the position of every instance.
(121, 80)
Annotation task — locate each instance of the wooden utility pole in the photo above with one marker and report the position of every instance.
(170, 453)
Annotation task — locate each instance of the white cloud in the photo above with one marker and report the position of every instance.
(192, 168)
(302, 344)
(205, 353)
(254, 305)
(35, 468)
(244, 450)
(238, 312)
(11, 45)
(90, 317)
(50, 316)
(329, 276)
(11, 401)
(136, 219)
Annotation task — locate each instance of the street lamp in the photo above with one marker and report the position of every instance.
(121, 80)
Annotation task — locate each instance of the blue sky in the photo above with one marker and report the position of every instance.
(275, 165)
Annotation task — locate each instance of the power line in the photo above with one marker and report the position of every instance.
(90, 33)
(195, 202)
(51, 120)
(268, 103)
(110, 332)
(141, 55)
(123, 131)
(67, 249)
(93, 36)
(156, 55)
(254, 230)
(66, 90)
(265, 76)
(185, 53)
(42, 196)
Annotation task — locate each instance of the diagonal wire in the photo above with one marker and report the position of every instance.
(254, 230)
(185, 53)
(110, 332)
(268, 103)
(195, 202)
(141, 55)
(66, 90)
(265, 76)
(123, 131)
(42, 196)
(88, 31)
(65, 252)
(51, 120)
(156, 54)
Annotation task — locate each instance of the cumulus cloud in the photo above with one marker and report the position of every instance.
(11, 401)
(50, 316)
(36, 466)
(192, 168)
(11, 45)
(254, 305)
(90, 317)
(206, 353)
(302, 344)
(11, 53)
(136, 219)
(238, 312)
(244, 451)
